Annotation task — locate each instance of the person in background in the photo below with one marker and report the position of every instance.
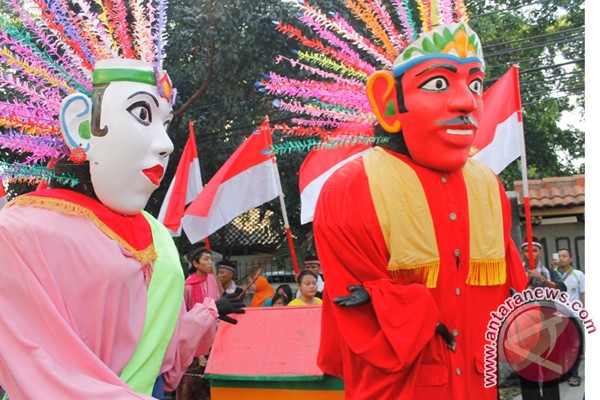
(540, 276)
(199, 285)
(225, 272)
(312, 263)
(282, 290)
(554, 262)
(279, 300)
(307, 287)
(202, 282)
(262, 291)
(574, 279)
(285, 290)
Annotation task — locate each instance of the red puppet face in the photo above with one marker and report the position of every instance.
(443, 105)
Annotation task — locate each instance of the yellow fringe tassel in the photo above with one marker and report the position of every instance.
(487, 272)
(426, 273)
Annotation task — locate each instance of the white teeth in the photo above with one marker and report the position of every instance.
(460, 131)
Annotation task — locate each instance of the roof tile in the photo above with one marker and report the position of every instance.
(564, 191)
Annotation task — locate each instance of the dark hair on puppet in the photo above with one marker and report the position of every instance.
(79, 171)
(395, 141)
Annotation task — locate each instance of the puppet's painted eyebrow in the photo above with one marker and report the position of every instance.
(446, 66)
(146, 93)
(475, 70)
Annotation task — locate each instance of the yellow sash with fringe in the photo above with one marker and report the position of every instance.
(403, 212)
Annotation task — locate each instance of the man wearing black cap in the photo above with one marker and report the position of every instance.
(226, 269)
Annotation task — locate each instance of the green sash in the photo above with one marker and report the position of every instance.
(165, 299)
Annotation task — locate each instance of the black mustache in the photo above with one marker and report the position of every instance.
(461, 120)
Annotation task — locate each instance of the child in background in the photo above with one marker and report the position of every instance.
(283, 291)
(307, 285)
(279, 300)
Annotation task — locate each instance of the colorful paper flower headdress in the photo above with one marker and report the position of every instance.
(49, 49)
(339, 58)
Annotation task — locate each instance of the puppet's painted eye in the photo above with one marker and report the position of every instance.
(476, 86)
(435, 84)
(141, 111)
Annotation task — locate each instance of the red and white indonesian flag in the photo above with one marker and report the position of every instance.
(498, 139)
(185, 187)
(3, 200)
(247, 180)
(317, 167)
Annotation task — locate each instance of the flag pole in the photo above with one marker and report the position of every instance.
(286, 223)
(526, 204)
(192, 132)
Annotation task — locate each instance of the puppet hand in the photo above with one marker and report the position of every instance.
(358, 297)
(443, 331)
(229, 304)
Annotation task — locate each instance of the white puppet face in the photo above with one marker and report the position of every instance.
(128, 148)
(129, 161)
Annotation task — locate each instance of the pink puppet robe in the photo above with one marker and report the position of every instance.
(73, 305)
(210, 289)
(387, 349)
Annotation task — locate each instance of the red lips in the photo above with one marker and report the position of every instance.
(155, 174)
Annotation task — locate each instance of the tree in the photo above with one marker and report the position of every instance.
(546, 40)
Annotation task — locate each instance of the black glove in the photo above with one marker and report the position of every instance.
(358, 297)
(229, 304)
(443, 331)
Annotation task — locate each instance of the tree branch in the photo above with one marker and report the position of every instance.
(204, 87)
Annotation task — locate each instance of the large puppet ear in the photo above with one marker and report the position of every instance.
(381, 90)
(75, 116)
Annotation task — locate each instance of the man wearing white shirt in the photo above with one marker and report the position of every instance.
(574, 279)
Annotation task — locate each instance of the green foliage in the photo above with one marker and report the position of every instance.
(546, 40)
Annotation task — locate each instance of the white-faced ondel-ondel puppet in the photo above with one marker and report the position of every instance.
(414, 238)
(91, 287)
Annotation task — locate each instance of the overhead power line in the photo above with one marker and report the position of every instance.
(544, 100)
(536, 45)
(528, 38)
(508, 9)
(567, 90)
(545, 67)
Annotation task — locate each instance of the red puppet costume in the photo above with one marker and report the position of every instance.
(417, 234)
